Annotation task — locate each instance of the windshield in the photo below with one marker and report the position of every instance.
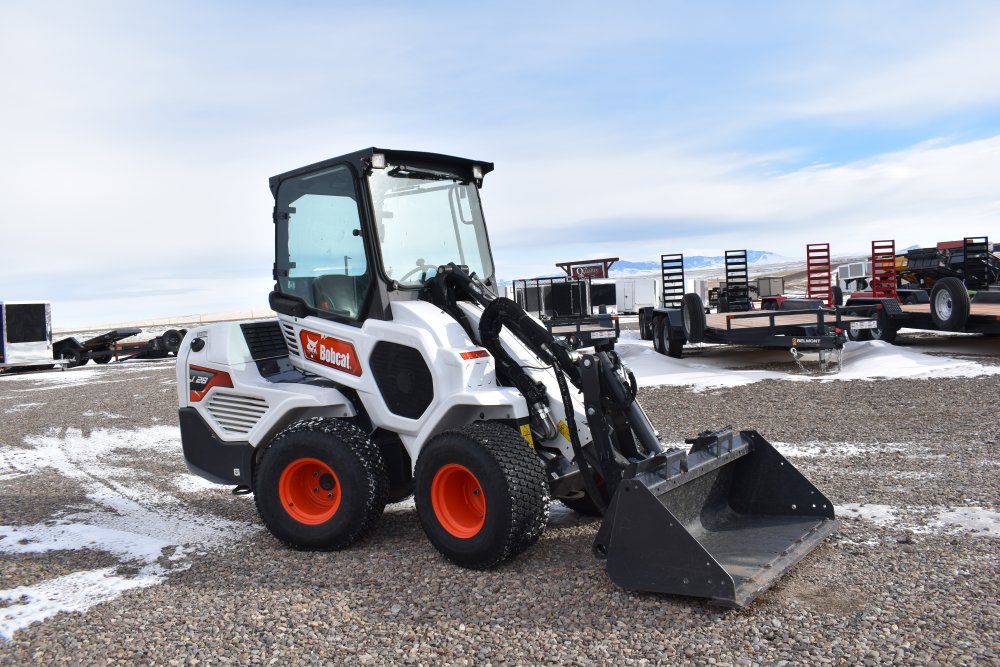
(426, 217)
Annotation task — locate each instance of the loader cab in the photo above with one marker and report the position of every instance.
(356, 232)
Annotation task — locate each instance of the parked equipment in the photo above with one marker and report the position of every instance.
(113, 345)
(795, 323)
(385, 373)
(565, 308)
(954, 287)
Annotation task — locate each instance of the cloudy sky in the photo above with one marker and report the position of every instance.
(136, 139)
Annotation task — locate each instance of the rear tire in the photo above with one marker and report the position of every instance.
(482, 495)
(104, 357)
(950, 304)
(694, 317)
(320, 485)
(658, 327)
(645, 328)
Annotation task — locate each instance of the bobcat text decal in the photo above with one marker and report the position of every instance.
(332, 352)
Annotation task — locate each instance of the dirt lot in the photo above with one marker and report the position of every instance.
(110, 551)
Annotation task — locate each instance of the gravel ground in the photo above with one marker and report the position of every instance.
(897, 584)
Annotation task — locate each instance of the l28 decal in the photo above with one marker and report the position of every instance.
(201, 379)
(333, 352)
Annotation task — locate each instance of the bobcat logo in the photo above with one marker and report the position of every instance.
(332, 352)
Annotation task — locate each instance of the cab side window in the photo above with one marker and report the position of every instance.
(325, 261)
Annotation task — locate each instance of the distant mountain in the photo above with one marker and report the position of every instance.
(626, 268)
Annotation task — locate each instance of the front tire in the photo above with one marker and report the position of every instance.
(320, 485)
(481, 493)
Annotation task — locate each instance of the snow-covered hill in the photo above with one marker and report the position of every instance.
(754, 257)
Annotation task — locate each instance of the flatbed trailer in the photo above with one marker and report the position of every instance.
(968, 304)
(112, 345)
(794, 324)
(891, 316)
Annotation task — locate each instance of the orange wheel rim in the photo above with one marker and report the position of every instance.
(458, 500)
(309, 491)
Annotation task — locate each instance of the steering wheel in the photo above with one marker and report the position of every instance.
(421, 266)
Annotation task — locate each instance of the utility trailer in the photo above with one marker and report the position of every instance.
(564, 307)
(112, 345)
(964, 295)
(793, 324)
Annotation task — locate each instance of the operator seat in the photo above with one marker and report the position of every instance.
(337, 294)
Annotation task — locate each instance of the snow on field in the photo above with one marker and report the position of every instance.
(714, 367)
(924, 520)
(150, 533)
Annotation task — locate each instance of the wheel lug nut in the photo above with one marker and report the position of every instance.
(329, 495)
(315, 489)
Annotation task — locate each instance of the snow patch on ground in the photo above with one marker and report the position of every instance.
(862, 361)
(21, 407)
(925, 520)
(106, 415)
(151, 533)
(838, 449)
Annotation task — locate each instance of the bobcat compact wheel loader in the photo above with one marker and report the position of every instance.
(394, 368)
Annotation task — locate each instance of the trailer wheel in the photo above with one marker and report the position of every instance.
(103, 356)
(885, 331)
(74, 357)
(950, 304)
(838, 296)
(675, 348)
(172, 340)
(320, 484)
(858, 334)
(694, 317)
(659, 324)
(481, 494)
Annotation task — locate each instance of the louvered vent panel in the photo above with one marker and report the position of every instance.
(293, 343)
(236, 413)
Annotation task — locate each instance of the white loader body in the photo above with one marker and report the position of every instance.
(464, 388)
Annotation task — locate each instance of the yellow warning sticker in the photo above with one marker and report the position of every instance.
(564, 430)
(526, 434)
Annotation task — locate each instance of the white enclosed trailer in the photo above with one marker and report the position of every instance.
(631, 294)
(25, 334)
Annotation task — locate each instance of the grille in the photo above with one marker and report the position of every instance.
(236, 413)
(264, 340)
(290, 341)
(403, 378)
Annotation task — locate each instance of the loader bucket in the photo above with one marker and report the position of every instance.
(723, 523)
